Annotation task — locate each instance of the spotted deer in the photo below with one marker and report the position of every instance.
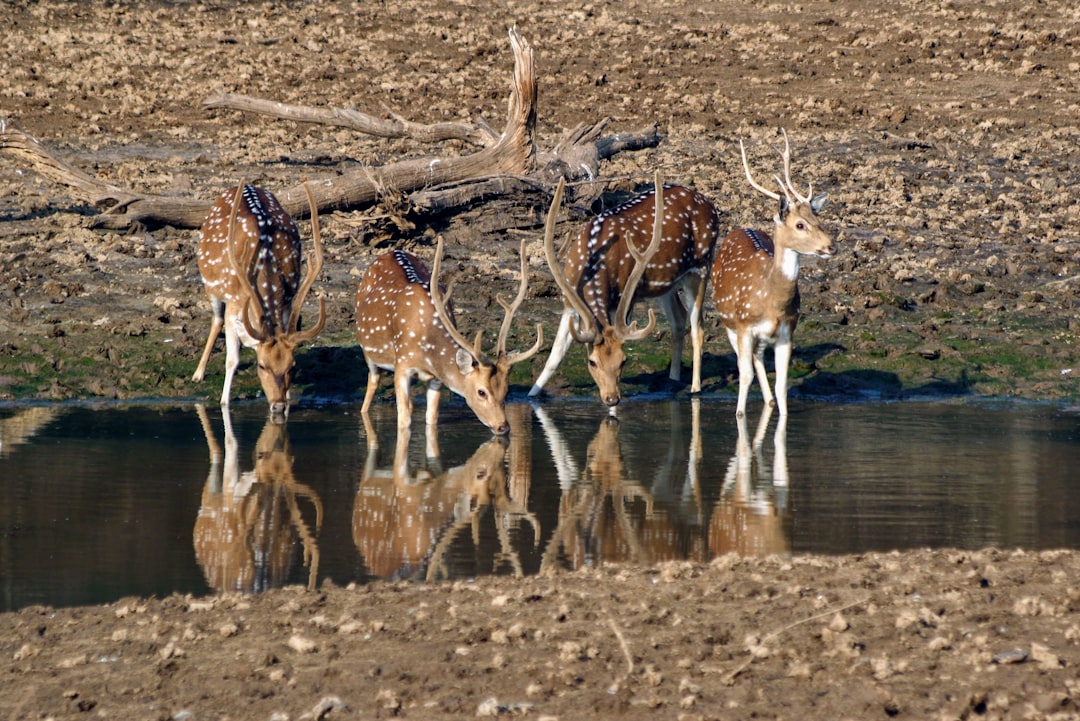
(406, 326)
(249, 257)
(608, 268)
(755, 282)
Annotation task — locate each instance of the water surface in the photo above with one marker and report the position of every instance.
(97, 503)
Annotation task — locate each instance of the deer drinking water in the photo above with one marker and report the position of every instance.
(607, 269)
(252, 276)
(406, 326)
(755, 283)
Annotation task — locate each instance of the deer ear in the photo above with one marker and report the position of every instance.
(781, 215)
(818, 202)
(465, 361)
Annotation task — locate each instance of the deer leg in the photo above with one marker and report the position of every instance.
(559, 346)
(676, 317)
(431, 419)
(403, 395)
(434, 388)
(372, 386)
(744, 352)
(232, 360)
(697, 333)
(762, 374)
(218, 308)
(782, 359)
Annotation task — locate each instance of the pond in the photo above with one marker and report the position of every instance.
(101, 502)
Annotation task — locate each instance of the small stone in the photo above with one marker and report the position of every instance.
(1042, 655)
(1014, 655)
(489, 707)
(300, 644)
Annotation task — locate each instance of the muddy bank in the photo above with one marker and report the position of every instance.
(944, 137)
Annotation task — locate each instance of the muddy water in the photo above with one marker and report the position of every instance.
(97, 503)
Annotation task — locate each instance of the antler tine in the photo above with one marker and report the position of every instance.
(242, 271)
(750, 178)
(585, 329)
(437, 300)
(510, 310)
(641, 261)
(786, 155)
(315, 263)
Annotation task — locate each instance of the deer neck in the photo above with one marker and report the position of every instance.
(782, 279)
(786, 263)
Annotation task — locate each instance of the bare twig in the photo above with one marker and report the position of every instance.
(622, 643)
(730, 677)
(396, 127)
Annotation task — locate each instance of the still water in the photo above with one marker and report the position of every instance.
(97, 503)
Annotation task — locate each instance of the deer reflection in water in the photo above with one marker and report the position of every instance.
(249, 523)
(24, 425)
(748, 518)
(607, 513)
(406, 519)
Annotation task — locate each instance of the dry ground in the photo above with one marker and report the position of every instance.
(946, 135)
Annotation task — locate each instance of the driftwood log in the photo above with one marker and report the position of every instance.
(506, 163)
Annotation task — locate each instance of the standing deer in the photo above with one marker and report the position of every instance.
(755, 282)
(252, 276)
(406, 326)
(605, 272)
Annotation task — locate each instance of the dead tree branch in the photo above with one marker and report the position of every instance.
(504, 162)
(395, 127)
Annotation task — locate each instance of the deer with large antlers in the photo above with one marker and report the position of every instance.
(608, 267)
(406, 325)
(249, 257)
(755, 282)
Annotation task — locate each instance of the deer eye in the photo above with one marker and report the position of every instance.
(482, 393)
(800, 225)
(592, 363)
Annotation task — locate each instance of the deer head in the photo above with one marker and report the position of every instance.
(797, 225)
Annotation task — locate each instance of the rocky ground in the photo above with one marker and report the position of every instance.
(946, 135)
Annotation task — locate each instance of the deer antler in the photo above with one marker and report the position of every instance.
(315, 262)
(512, 358)
(750, 178)
(786, 155)
(242, 273)
(785, 185)
(641, 261)
(585, 330)
(440, 307)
